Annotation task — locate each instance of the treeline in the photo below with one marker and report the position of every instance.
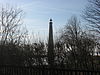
(74, 48)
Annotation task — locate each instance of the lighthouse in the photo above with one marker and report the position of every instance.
(50, 45)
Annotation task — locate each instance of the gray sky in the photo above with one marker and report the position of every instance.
(38, 12)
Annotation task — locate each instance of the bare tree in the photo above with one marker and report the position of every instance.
(92, 14)
(10, 19)
(11, 35)
(79, 47)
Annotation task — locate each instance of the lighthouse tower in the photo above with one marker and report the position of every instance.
(50, 45)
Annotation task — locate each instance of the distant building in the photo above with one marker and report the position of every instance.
(97, 50)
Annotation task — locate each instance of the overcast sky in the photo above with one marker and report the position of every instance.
(38, 12)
